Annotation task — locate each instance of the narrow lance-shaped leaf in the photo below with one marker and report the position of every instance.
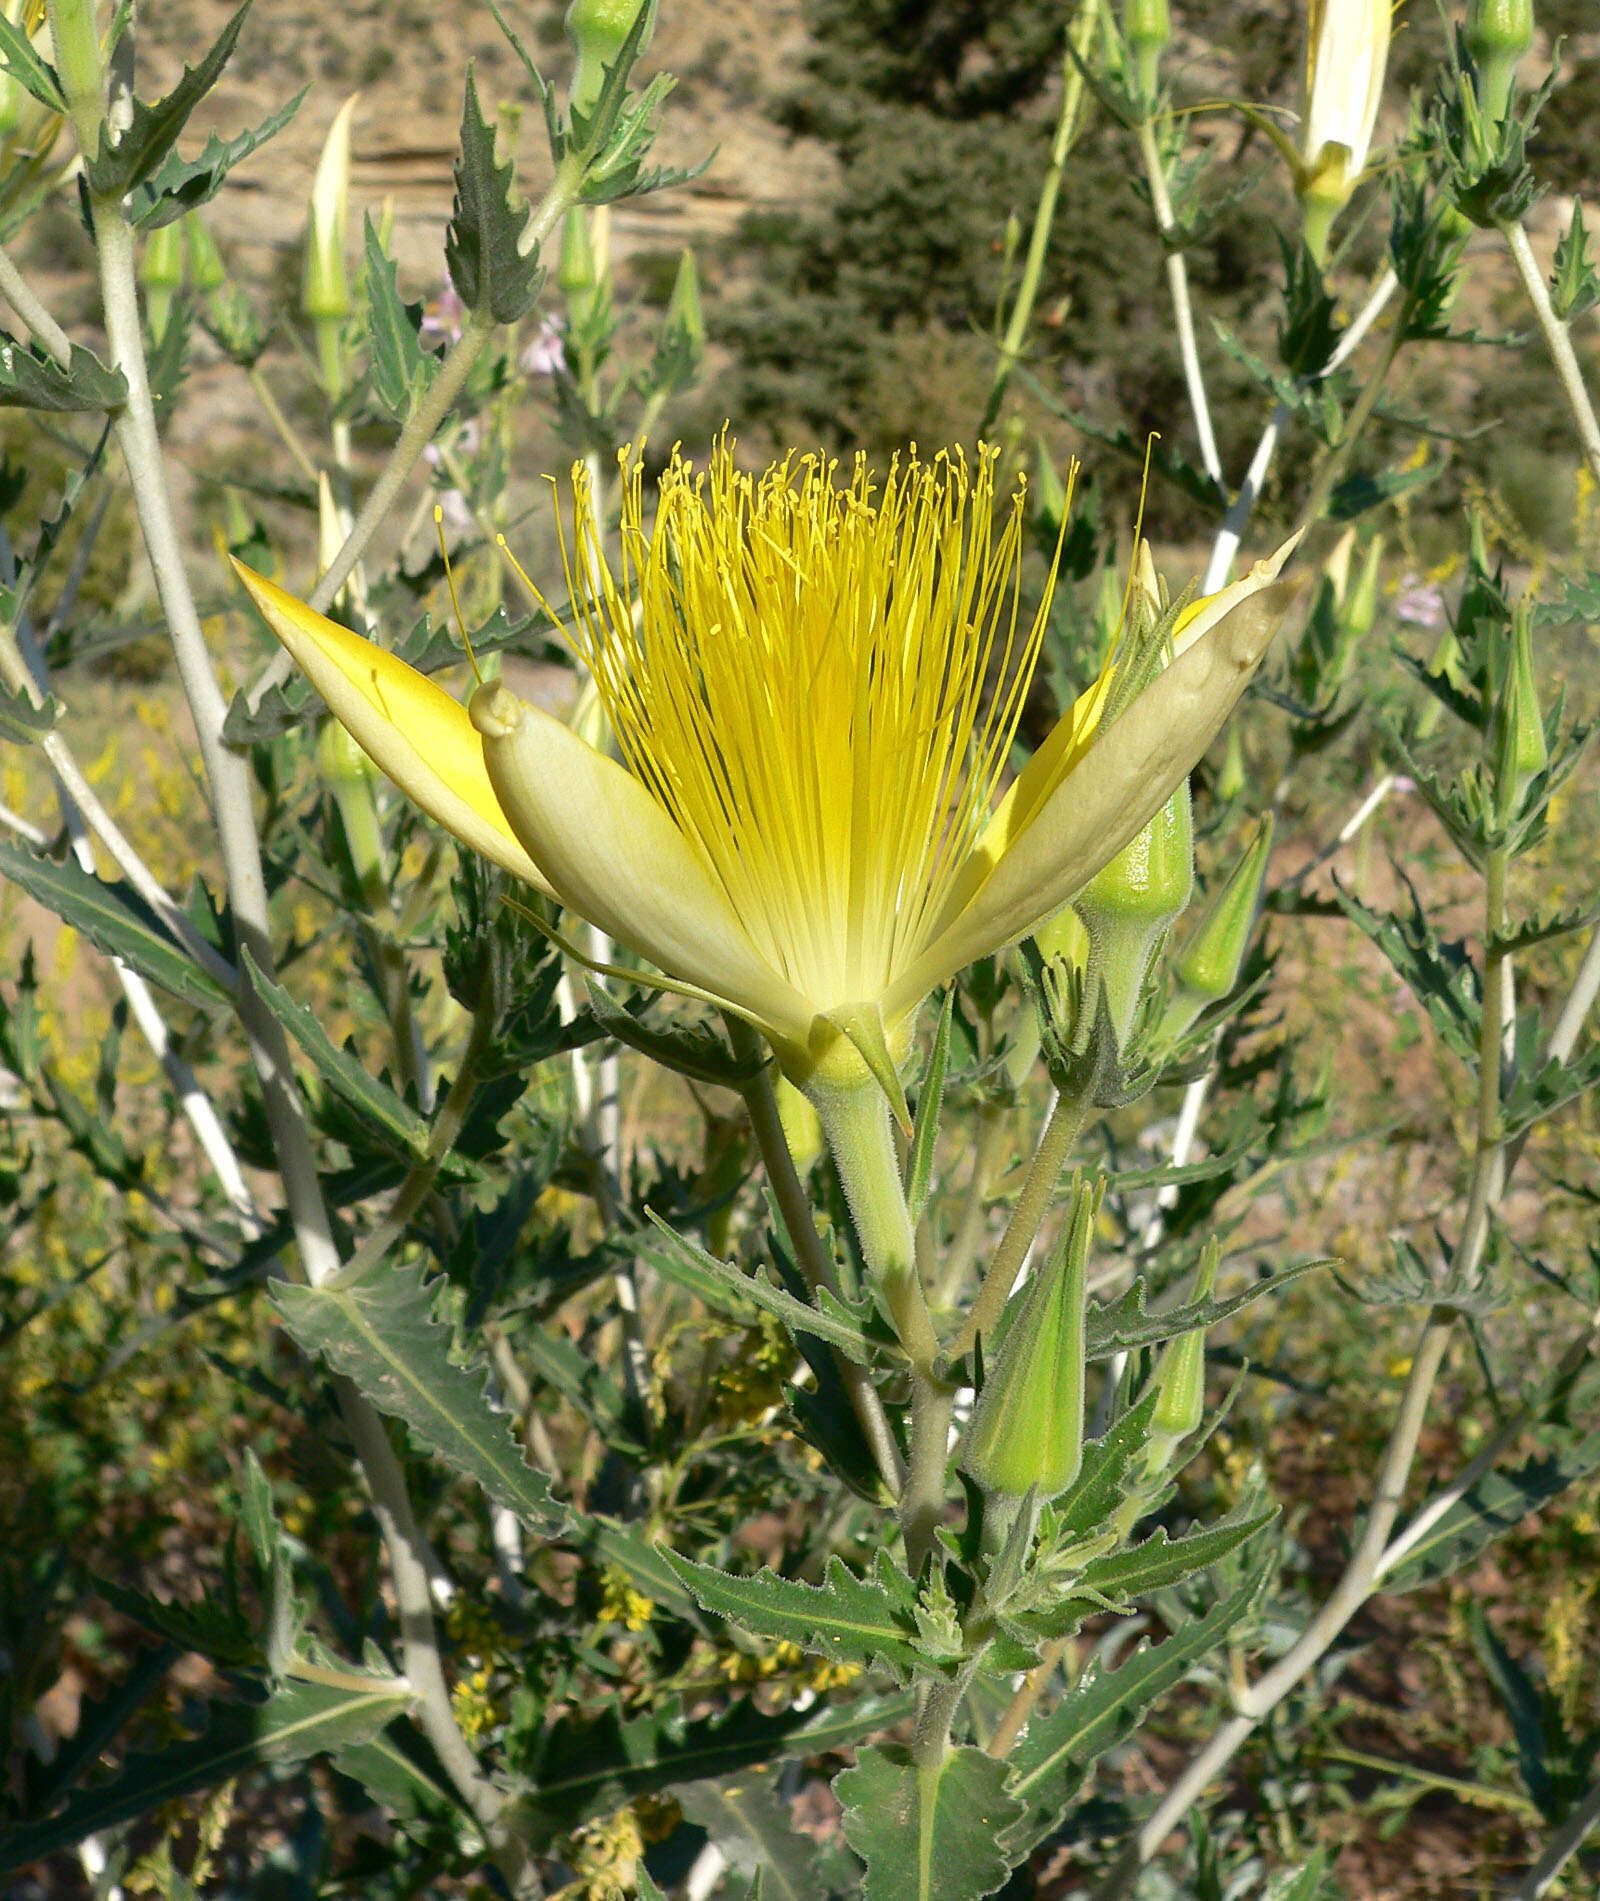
(378, 1329)
(400, 368)
(867, 1620)
(300, 1720)
(21, 60)
(482, 246)
(926, 1132)
(180, 184)
(341, 1071)
(116, 920)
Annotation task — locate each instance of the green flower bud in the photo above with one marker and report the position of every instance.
(1129, 905)
(207, 272)
(161, 274)
(1521, 751)
(583, 266)
(1232, 778)
(683, 309)
(1208, 966)
(352, 778)
(1147, 27)
(598, 30)
(1026, 1430)
(1180, 1375)
(1359, 609)
(1499, 34)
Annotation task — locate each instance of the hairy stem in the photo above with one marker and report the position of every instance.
(1066, 1118)
(1558, 340)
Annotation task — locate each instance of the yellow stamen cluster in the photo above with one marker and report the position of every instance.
(820, 682)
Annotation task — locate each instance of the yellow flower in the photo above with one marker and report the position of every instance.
(1347, 52)
(814, 687)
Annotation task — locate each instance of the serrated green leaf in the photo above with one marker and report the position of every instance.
(482, 244)
(1574, 286)
(1124, 1576)
(180, 184)
(373, 1100)
(1440, 975)
(1497, 1504)
(929, 1836)
(588, 1766)
(400, 368)
(1050, 1764)
(300, 1720)
(1098, 1488)
(20, 720)
(153, 129)
(725, 1286)
(925, 1133)
(378, 1329)
(1531, 1098)
(31, 380)
(399, 1770)
(116, 920)
(1123, 1324)
(211, 1627)
(751, 1827)
(20, 59)
(867, 1620)
(693, 1049)
(1540, 930)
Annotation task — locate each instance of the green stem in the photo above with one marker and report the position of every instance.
(1068, 124)
(1333, 464)
(1066, 1118)
(761, 1104)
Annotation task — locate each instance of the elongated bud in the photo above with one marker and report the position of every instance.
(1522, 752)
(1049, 491)
(1180, 1374)
(598, 30)
(1208, 966)
(1129, 906)
(1499, 35)
(684, 314)
(352, 778)
(1231, 776)
(161, 274)
(1147, 28)
(207, 272)
(1026, 1430)
(1347, 53)
(325, 295)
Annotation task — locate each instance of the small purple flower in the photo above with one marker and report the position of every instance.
(445, 317)
(1420, 603)
(545, 352)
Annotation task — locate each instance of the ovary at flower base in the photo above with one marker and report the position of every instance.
(814, 686)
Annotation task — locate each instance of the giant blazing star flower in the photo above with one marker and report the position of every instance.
(814, 688)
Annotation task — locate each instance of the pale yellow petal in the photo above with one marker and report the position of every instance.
(410, 728)
(616, 858)
(1123, 779)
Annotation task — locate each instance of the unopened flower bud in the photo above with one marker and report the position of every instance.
(161, 274)
(1026, 1429)
(1523, 753)
(582, 265)
(683, 331)
(1208, 966)
(1499, 35)
(1347, 53)
(1147, 27)
(1049, 492)
(1129, 905)
(1180, 1377)
(325, 294)
(1231, 776)
(598, 30)
(207, 272)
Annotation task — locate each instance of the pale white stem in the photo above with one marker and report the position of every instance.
(24, 300)
(1558, 340)
(1182, 312)
(28, 832)
(1225, 548)
(1560, 1849)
